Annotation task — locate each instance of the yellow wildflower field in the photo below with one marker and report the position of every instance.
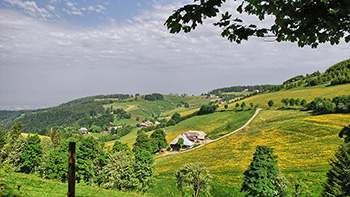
(303, 143)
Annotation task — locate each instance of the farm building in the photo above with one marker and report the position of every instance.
(147, 123)
(187, 143)
(190, 137)
(83, 130)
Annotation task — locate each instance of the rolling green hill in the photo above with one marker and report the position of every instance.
(80, 112)
(303, 141)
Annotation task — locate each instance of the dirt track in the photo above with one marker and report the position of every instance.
(210, 141)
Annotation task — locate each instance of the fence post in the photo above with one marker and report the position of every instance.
(71, 170)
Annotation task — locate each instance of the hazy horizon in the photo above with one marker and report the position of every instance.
(55, 51)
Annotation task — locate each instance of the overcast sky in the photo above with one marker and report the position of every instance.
(54, 51)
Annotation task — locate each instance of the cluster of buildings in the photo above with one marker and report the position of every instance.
(189, 138)
(149, 123)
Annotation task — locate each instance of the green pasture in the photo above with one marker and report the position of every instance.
(308, 93)
(303, 143)
(34, 186)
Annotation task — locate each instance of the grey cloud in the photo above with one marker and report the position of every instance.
(52, 63)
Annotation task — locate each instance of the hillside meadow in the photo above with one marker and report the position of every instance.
(308, 93)
(303, 143)
(144, 109)
(215, 125)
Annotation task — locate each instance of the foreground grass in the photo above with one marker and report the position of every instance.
(303, 143)
(32, 185)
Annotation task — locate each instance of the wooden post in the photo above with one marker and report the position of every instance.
(71, 170)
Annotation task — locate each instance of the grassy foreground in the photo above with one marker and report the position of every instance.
(303, 143)
(32, 185)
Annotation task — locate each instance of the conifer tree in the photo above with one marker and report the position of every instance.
(345, 133)
(338, 177)
(270, 103)
(263, 177)
(32, 154)
(56, 137)
(16, 131)
(3, 136)
(86, 154)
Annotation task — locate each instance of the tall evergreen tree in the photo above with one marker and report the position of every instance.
(345, 133)
(3, 136)
(338, 177)
(16, 131)
(263, 177)
(56, 137)
(86, 154)
(32, 154)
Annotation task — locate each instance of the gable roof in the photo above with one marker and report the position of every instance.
(199, 134)
(187, 142)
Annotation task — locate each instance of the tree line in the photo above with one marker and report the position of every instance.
(240, 89)
(118, 168)
(338, 104)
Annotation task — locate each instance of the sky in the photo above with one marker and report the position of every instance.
(55, 51)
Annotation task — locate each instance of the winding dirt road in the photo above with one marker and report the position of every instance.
(210, 141)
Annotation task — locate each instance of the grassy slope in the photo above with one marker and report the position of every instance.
(32, 185)
(144, 109)
(214, 125)
(308, 93)
(303, 143)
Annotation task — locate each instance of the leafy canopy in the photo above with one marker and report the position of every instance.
(193, 177)
(307, 22)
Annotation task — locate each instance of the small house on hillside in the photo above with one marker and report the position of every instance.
(83, 130)
(115, 128)
(174, 145)
(147, 123)
(195, 135)
(190, 137)
(192, 105)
